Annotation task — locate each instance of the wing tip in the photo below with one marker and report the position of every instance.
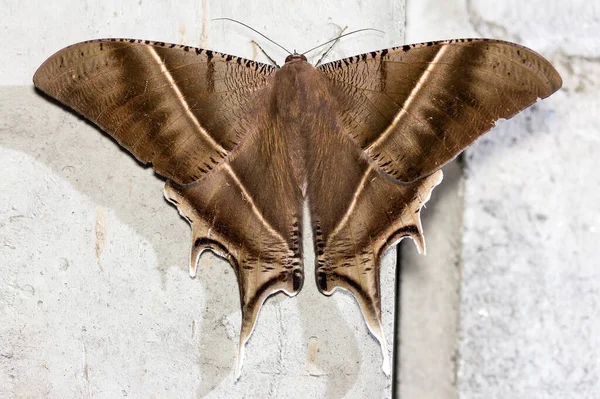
(555, 81)
(41, 80)
(36, 77)
(40, 73)
(385, 365)
(239, 361)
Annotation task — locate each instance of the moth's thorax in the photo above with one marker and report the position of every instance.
(295, 57)
(299, 87)
(302, 104)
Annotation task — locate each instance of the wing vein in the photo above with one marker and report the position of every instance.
(413, 93)
(183, 101)
(359, 188)
(253, 205)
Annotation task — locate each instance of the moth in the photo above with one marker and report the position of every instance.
(244, 146)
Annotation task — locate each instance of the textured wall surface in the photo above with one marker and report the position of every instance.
(531, 270)
(430, 289)
(527, 259)
(95, 297)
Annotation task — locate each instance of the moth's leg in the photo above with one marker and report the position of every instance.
(330, 47)
(271, 60)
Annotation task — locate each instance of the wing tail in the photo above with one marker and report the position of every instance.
(349, 252)
(267, 258)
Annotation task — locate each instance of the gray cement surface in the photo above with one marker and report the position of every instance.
(95, 299)
(528, 325)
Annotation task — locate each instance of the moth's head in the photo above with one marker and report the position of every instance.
(295, 57)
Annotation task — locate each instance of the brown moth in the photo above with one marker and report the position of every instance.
(244, 145)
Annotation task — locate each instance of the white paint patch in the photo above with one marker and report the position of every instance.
(100, 234)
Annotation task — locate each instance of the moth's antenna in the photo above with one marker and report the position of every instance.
(330, 47)
(339, 37)
(254, 30)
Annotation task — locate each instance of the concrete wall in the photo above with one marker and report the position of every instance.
(531, 269)
(95, 299)
(526, 257)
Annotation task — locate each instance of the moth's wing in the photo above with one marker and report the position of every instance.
(188, 111)
(404, 113)
(414, 108)
(180, 108)
(249, 210)
(357, 214)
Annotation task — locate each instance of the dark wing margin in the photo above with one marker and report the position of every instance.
(180, 108)
(414, 108)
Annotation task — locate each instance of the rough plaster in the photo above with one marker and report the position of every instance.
(430, 289)
(529, 309)
(527, 300)
(95, 299)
